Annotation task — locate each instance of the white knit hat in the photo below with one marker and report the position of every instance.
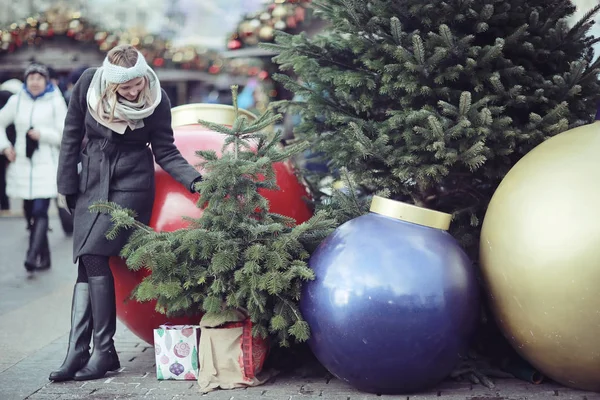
(117, 74)
(37, 68)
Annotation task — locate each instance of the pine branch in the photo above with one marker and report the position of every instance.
(121, 217)
(237, 255)
(303, 50)
(586, 19)
(357, 208)
(469, 88)
(290, 84)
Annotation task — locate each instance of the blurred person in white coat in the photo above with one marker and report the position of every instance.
(7, 89)
(38, 112)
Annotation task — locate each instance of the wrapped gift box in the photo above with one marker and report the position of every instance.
(176, 349)
(228, 354)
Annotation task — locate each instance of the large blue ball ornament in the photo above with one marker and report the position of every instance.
(394, 302)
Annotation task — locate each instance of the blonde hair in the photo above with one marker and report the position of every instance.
(124, 55)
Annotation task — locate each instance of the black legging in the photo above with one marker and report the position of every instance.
(92, 265)
(4, 202)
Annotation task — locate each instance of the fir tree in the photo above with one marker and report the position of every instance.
(433, 101)
(237, 255)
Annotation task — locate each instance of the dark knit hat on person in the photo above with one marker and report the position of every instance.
(39, 69)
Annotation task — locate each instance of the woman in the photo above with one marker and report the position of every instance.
(38, 113)
(121, 109)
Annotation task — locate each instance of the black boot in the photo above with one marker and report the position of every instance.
(78, 352)
(44, 258)
(27, 206)
(104, 315)
(37, 237)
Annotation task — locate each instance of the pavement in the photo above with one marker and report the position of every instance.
(34, 326)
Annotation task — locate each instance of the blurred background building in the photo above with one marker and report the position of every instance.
(198, 48)
(199, 22)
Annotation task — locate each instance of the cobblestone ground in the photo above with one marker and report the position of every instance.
(137, 380)
(34, 324)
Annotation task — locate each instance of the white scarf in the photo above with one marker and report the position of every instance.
(127, 113)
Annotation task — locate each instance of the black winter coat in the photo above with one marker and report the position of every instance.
(117, 168)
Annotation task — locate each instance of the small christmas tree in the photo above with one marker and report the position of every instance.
(237, 255)
(432, 102)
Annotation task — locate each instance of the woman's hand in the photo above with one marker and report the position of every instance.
(67, 202)
(10, 154)
(194, 188)
(34, 134)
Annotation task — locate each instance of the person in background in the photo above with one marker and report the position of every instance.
(71, 80)
(7, 89)
(28, 204)
(126, 117)
(66, 219)
(4, 200)
(38, 113)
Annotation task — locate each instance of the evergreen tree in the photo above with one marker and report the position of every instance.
(433, 101)
(237, 255)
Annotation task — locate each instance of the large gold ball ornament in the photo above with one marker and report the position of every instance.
(540, 257)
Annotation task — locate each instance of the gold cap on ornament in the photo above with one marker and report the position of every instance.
(410, 213)
(189, 114)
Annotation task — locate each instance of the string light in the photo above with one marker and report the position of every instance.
(158, 51)
(281, 15)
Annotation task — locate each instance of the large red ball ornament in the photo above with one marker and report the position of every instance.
(173, 202)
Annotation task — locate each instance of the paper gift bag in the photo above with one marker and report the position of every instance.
(176, 349)
(228, 354)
